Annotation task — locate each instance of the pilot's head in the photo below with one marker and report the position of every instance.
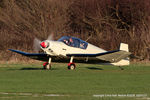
(66, 41)
(70, 40)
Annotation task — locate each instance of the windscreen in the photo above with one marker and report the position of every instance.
(74, 42)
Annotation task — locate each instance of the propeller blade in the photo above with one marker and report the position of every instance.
(50, 37)
(36, 45)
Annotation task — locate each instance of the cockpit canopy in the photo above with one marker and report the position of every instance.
(74, 42)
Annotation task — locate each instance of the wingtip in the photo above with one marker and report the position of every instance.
(17, 51)
(10, 49)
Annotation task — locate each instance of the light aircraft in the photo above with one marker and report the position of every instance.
(72, 49)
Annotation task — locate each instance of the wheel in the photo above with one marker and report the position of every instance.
(71, 67)
(47, 66)
(44, 67)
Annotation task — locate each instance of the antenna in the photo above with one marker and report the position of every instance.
(88, 38)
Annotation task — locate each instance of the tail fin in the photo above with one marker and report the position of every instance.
(123, 47)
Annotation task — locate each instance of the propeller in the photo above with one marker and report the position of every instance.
(37, 43)
(50, 37)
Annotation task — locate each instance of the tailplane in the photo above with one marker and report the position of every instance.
(125, 61)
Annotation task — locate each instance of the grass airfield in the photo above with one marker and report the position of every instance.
(31, 82)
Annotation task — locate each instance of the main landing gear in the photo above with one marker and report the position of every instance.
(71, 65)
(47, 65)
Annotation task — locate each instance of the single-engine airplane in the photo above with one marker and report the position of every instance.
(73, 49)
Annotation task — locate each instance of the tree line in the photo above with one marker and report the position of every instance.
(105, 23)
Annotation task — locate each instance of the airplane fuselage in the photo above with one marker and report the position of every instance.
(60, 48)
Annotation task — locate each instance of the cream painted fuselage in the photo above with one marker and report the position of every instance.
(59, 48)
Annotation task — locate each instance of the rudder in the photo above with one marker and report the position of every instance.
(124, 47)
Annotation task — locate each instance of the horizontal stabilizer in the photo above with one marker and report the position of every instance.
(119, 57)
(126, 60)
(114, 57)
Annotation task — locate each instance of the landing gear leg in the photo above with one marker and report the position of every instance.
(47, 65)
(71, 65)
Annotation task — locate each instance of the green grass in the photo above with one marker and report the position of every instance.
(80, 84)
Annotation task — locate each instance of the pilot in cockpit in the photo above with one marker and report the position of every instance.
(66, 41)
(71, 42)
(82, 46)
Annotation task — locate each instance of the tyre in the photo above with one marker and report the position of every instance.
(47, 66)
(71, 67)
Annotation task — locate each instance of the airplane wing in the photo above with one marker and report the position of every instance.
(110, 56)
(42, 56)
(37, 56)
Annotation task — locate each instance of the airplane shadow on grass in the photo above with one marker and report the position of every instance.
(36, 69)
(94, 68)
(91, 68)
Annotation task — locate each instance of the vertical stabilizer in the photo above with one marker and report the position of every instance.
(124, 47)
